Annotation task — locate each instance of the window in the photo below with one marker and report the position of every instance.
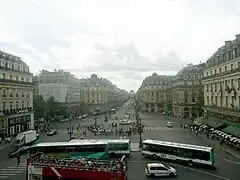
(216, 100)
(22, 104)
(207, 73)
(238, 64)
(210, 73)
(220, 70)
(16, 78)
(231, 67)
(207, 88)
(10, 105)
(215, 71)
(4, 105)
(17, 106)
(3, 75)
(238, 83)
(215, 86)
(226, 102)
(10, 77)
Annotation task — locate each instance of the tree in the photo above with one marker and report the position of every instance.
(39, 106)
(52, 107)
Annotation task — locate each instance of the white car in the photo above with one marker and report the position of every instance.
(158, 169)
(125, 122)
(169, 124)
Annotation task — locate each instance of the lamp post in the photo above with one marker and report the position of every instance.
(96, 116)
(139, 123)
(70, 132)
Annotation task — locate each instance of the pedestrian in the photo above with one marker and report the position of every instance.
(18, 159)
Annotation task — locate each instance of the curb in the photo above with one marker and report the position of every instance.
(231, 154)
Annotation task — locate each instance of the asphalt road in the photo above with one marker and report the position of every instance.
(227, 167)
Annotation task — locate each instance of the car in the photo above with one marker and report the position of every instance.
(158, 169)
(169, 124)
(37, 136)
(52, 132)
(19, 151)
(125, 122)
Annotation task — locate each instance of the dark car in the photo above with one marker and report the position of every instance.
(52, 132)
(19, 151)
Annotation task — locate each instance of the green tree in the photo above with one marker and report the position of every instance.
(52, 107)
(39, 106)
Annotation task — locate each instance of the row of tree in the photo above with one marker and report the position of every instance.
(51, 108)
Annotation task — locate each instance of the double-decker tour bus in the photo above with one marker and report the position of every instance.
(94, 149)
(41, 167)
(116, 147)
(192, 154)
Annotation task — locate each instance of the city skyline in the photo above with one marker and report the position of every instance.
(115, 39)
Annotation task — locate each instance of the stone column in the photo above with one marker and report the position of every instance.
(155, 108)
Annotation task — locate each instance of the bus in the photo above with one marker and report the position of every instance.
(119, 147)
(190, 154)
(116, 147)
(91, 149)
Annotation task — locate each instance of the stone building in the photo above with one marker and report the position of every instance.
(101, 94)
(35, 86)
(222, 87)
(155, 93)
(16, 95)
(63, 86)
(187, 92)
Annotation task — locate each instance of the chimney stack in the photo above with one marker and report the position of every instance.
(237, 36)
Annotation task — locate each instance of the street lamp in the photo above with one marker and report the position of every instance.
(139, 123)
(70, 132)
(96, 115)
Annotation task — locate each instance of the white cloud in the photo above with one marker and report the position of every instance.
(123, 40)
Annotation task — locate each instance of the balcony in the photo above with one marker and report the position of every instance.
(13, 70)
(236, 70)
(15, 82)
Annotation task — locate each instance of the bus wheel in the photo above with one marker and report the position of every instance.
(154, 156)
(190, 163)
(152, 175)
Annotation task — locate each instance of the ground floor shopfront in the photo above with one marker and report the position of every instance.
(156, 107)
(15, 123)
(223, 120)
(185, 111)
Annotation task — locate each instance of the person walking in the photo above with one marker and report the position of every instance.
(18, 159)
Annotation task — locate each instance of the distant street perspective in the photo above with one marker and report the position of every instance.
(119, 90)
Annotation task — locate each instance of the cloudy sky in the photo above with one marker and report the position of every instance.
(122, 40)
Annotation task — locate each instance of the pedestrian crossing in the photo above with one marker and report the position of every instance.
(160, 128)
(12, 170)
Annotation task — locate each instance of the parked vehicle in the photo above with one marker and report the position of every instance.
(52, 132)
(25, 138)
(22, 150)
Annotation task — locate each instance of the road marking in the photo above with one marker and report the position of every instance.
(3, 177)
(234, 162)
(197, 170)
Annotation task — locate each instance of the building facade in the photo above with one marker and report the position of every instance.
(101, 94)
(16, 95)
(222, 86)
(63, 86)
(35, 86)
(187, 92)
(155, 94)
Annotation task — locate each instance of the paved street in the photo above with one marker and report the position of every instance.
(227, 167)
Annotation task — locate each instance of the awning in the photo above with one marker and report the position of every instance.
(213, 123)
(234, 130)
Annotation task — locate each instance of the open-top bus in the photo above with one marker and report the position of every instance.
(192, 154)
(116, 147)
(91, 149)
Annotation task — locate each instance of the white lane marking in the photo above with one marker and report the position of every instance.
(3, 177)
(192, 169)
(234, 162)
(7, 174)
(12, 169)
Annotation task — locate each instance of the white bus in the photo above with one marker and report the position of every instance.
(192, 154)
(116, 147)
(119, 147)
